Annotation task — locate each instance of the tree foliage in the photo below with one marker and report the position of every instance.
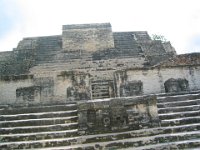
(158, 37)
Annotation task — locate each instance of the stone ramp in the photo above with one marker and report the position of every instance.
(179, 128)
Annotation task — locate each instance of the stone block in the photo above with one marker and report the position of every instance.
(89, 37)
(118, 114)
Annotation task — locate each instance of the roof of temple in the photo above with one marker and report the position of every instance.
(182, 60)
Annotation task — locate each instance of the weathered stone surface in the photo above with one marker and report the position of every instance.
(79, 88)
(182, 60)
(132, 88)
(176, 85)
(106, 73)
(133, 53)
(91, 37)
(56, 128)
(117, 114)
(28, 93)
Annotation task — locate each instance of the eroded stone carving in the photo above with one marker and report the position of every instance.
(117, 114)
(28, 94)
(176, 85)
(78, 93)
(47, 87)
(131, 88)
(79, 89)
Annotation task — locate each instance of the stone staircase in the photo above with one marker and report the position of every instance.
(47, 48)
(55, 127)
(35, 126)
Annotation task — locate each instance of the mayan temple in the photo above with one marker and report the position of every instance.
(91, 88)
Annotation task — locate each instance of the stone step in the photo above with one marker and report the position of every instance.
(106, 86)
(56, 127)
(192, 144)
(143, 133)
(178, 97)
(39, 135)
(179, 114)
(99, 83)
(178, 109)
(46, 54)
(51, 108)
(49, 52)
(103, 93)
(181, 128)
(3, 106)
(167, 141)
(166, 134)
(113, 143)
(180, 121)
(36, 122)
(38, 115)
(100, 97)
(48, 46)
(45, 58)
(40, 128)
(65, 62)
(100, 90)
(178, 103)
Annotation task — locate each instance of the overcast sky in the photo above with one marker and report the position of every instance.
(177, 20)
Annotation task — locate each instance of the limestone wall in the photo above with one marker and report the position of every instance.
(72, 85)
(76, 85)
(153, 79)
(192, 74)
(45, 88)
(9, 86)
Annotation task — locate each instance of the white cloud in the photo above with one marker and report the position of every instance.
(177, 20)
(10, 40)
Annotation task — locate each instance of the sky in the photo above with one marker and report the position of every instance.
(177, 20)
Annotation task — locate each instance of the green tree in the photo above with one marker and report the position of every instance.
(158, 37)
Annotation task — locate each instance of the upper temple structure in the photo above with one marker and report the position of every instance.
(88, 61)
(117, 81)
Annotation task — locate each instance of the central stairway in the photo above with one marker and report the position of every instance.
(55, 127)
